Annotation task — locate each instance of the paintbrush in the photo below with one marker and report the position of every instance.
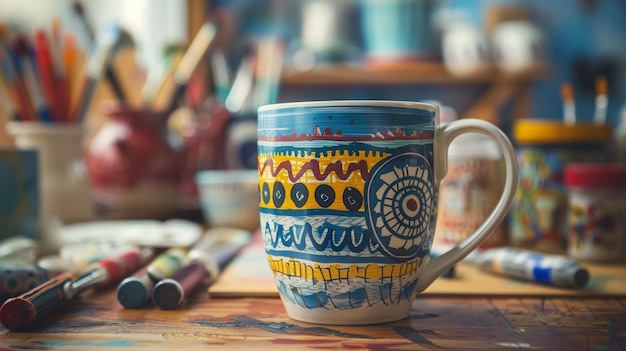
(109, 73)
(242, 84)
(190, 60)
(569, 106)
(269, 68)
(159, 76)
(221, 74)
(602, 100)
(110, 40)
(21, 311)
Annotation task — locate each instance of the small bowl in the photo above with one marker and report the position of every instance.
(229, 198)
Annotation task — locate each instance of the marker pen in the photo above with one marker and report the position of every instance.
(21, 311)
(555, 270)
(207, 258)
(134, 291)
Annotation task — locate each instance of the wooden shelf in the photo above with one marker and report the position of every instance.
(502, 87)
(417, 72)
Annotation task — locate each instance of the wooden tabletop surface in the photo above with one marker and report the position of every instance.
(95, 321)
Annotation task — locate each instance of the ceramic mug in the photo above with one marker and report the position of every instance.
(397, 29)
(348, 199)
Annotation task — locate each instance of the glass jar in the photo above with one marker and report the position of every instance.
(544, 148)
(596, 218)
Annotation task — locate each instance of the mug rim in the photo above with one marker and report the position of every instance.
(333, 103)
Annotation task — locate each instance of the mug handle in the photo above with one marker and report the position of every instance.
(443, 137)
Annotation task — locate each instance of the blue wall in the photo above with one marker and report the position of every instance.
(593, 30)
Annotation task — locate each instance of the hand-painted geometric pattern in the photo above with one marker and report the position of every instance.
(303, 178)
(338, 286)
(346, 203)
(287, 196)
(399, 203)
(328, 236)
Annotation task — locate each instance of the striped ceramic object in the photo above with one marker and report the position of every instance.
(348, 198)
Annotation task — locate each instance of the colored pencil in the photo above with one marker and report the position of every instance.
(29, 75)
(13, 77)
(45, 72)
(61, 108)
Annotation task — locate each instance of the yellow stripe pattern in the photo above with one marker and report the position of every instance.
(301, 159)
(316, 272)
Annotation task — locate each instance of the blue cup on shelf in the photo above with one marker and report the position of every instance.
(397, 29)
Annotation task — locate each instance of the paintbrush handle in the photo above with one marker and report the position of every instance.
(111, 77)
(21, 311)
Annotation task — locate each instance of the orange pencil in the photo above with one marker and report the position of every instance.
(60, 73)
(46, 76)
(24, 55)
(69, 58)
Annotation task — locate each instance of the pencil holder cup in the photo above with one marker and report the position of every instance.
(348, 200)
(134, 169)
(65, 190)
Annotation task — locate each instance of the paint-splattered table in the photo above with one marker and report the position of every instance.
(97, 322)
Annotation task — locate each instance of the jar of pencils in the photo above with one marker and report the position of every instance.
(544, 148)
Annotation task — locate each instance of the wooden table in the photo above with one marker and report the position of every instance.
(97, 322)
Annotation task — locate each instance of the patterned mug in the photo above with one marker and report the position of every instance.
(348, 200)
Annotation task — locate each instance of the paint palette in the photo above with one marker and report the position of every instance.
(148, 233)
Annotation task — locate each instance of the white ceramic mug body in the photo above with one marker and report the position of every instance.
(348, 198)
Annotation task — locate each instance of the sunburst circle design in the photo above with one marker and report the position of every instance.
(399, 203)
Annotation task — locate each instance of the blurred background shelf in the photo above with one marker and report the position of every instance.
(416, 72)
(497, 88)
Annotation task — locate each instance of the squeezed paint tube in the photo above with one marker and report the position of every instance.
(554, 270)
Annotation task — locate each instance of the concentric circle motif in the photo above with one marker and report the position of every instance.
(399, 203)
